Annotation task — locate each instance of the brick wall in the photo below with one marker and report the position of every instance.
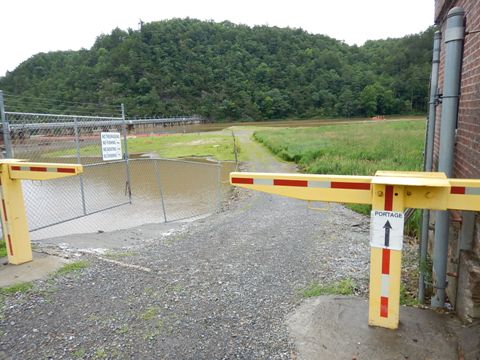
(467, 151)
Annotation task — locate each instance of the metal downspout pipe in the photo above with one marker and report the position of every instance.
(428, 162)
(454, 35)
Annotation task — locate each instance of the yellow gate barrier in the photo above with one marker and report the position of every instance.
(389, 193)
(14, 218)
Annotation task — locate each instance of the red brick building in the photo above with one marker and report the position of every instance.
(464, 247)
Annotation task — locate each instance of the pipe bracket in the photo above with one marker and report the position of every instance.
(455, 33)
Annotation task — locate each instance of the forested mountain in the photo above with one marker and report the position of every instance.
(228, 71)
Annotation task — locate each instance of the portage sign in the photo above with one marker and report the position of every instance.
(386, 229)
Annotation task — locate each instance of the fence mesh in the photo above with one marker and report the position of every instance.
(154, 189)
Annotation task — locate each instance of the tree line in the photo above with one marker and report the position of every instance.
(225, 71)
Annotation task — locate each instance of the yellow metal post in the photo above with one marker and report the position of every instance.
(14, 219)
(385, 265)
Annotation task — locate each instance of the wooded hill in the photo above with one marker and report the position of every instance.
(228, 71)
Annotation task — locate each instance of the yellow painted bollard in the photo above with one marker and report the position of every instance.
(14, 218)
(389, 193)
(385, 257)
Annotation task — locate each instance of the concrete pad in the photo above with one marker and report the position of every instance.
(335, 327)
(41, 266)
(111, 240)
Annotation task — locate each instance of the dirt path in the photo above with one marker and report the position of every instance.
(217, 288)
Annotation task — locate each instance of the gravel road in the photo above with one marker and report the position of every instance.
(217, 288)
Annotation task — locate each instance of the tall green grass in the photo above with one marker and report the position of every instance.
(353, 149)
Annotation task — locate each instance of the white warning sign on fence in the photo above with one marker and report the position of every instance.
(386, 229)
(111, 146)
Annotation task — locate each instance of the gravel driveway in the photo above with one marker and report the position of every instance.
(217, 288)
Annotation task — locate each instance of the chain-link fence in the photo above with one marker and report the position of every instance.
(154, 189)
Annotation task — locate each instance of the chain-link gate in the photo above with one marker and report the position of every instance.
(69, 139)
(156, 190)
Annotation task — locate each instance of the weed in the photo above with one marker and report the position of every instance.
(426, 268)
(72, 267)
(16, 288)
(151, 334)
(114, 255)
(79, 353)
(342, 287)
(100, 353)
(149, 290)
(406, 298)
(149, 314)
(178, 288)
(3, 248)
(123, 329)
(9, 290)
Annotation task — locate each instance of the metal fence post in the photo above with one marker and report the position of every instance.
(219, 186)
(159, 184)
(127, 162)
(6, 129)
(79, 161)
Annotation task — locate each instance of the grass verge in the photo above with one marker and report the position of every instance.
(353, 149)
(342, 287)
(16, 288)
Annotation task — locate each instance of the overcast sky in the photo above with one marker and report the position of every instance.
(32, 26)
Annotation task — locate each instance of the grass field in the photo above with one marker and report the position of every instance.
(353, 149)
(217, 146)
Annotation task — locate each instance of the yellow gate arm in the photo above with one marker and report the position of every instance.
(14, 218)
(389, 193)
(420, 190)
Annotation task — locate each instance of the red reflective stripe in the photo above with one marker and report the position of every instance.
(38, 168)
(385, 261)
(383, 306)
(388, 198)
(242, 180)
(4, 209)
(286, 182)
(349, 185)
(15, 167)
(457, 190)
(66, 170)
(10, 245)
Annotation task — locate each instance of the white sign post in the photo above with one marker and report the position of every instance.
(386, 229)
(111, 146)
